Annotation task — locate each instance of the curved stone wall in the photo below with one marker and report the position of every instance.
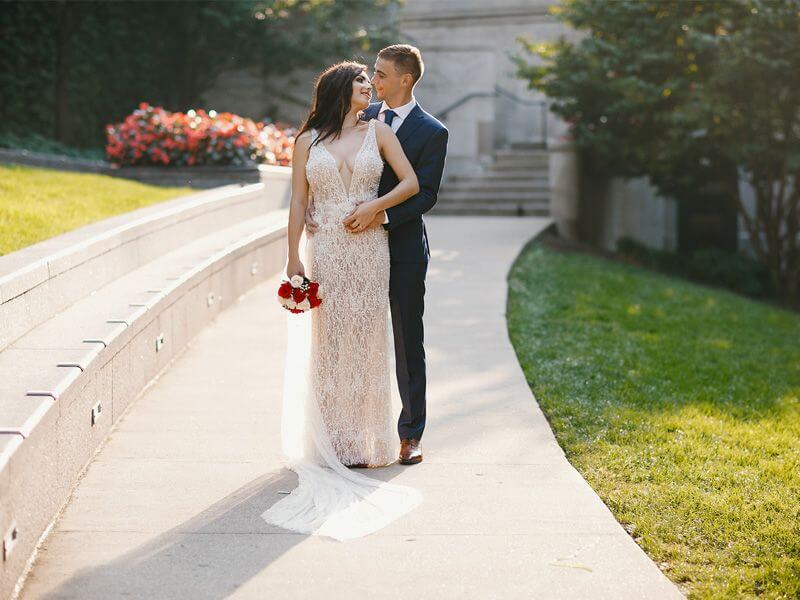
(89, 318)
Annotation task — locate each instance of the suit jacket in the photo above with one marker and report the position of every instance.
(424, 141)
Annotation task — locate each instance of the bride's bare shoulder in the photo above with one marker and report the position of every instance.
(383, 132)
(303, 141)
(382, 127)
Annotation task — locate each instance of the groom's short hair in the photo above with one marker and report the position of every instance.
(406, 57)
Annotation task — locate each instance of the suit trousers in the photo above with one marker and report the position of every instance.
(407, 303)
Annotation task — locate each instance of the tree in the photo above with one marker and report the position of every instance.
(67, 68)
(693, 95)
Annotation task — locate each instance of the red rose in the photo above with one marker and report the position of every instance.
(314, 301)
(313, 287)
(298, 295)
(295, 310)
(285, 290)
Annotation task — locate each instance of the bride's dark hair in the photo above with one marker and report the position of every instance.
(333, 94)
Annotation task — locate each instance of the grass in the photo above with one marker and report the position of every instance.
(37, 204)
(679, 405)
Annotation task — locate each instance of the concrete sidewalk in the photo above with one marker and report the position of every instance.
(170, 507)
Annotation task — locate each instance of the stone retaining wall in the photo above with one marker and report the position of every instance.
(89, 318)
(200, 177)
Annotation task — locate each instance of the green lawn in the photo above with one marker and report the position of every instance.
(36, 204)
(679, 405)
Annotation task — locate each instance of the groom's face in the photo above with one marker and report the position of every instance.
(386, 81)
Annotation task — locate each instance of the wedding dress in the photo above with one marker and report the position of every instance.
(337, 407)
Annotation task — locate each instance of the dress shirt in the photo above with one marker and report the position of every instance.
(401, 112)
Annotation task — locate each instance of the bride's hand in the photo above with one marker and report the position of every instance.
(295, 267)
(361, 217)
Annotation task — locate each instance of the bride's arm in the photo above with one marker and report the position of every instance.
(298, 204)
(408, 185)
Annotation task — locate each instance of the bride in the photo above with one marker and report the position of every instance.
(337, 390)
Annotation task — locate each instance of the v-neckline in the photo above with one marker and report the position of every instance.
(355, 161)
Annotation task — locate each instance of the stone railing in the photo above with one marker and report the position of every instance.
(88, 318)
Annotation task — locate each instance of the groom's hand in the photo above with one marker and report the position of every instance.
(378, 220)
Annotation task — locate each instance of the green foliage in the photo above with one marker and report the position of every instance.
(733, 271)
(111, 56)
(35, 142)
(713, 266)
(694, 96)
(676, 90)
(37, 204)
(680, 405)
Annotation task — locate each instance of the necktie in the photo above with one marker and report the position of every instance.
(389, 115)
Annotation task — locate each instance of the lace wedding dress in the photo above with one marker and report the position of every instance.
(337, 407)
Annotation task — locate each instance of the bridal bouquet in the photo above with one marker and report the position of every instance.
(299, 294)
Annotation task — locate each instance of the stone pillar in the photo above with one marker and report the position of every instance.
(564, 186)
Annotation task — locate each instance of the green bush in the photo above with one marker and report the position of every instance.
(713, 266)
(35, 142)
(733, 271)
(69, 68)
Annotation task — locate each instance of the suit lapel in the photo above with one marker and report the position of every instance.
(371, 112)
(410, 123)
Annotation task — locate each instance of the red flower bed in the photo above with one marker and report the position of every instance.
(154, 136)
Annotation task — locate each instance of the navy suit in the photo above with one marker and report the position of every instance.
(424, 141)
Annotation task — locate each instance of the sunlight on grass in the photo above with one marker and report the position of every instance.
(37, 204)
(679, 405)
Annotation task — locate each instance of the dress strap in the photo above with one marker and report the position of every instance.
(373, 137)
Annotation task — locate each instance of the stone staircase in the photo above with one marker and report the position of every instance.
(516, 184)
(90, 317)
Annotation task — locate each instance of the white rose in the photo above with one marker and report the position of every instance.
(304, 305)
(290, 303)
(296, 280)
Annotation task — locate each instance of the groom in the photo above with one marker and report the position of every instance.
(398, 68)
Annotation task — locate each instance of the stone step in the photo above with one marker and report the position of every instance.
(521, 159)
(520, 152)
(497, 185)
(494, 208)
(531, 166)
(45, 278)
(528, 146)
(480, 205)
(526, 176)
(106, 317)
(495, 195)
(66, 381)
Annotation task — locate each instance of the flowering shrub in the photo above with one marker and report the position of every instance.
(154, 136)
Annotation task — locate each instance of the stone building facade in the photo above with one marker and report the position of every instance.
(467, 46)
(498, 127)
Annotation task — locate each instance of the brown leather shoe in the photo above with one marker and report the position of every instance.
(410, 454)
